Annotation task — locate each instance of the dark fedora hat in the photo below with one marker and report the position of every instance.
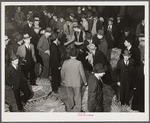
(54, 36)
(99, 68)
(13, 57)
(100, 32)
(18, 38)
(49, 29)
(129, 40)
(111, 19)
(88, 35)
(126, 29)
(126, 53)
(73, 52)
(61, 15)
(26, 36)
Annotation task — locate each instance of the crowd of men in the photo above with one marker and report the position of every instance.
(74, 50)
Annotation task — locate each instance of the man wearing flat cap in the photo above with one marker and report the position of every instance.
(27, 53)
(44, 51)
(16, 80)
(95, 85)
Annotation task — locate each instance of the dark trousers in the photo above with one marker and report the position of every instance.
(125, 93)
(27, 93)
(10, 99)
(30, 68)
(55, 78)
(45, 72)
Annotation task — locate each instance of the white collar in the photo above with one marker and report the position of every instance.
(14, 66)
(129, 47)
(27, 46)
(96, 76)
(72, 57)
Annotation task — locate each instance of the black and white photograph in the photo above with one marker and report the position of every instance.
(75, 61)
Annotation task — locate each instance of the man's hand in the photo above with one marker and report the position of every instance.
(48, 52)
(118, 83)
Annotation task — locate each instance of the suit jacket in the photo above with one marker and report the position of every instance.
(60, 25)
(22, 51)
(90, 23)
(139, 29)
(114, 30)
(7, 57)
(19, 17)
(13, 77)
(95, 94)
(13, 48)
(136, 55)
(43, 45)
(103, 46)
(55, 55)
(27, 29)
(66, 31)
(99, 57)
(121, 70)
(72, 73)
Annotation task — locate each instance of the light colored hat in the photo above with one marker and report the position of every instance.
(91, 46)
(36, 19)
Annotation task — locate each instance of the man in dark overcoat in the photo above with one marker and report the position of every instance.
(95, 85)
(55, 62)
(16, 80)
(124, 76)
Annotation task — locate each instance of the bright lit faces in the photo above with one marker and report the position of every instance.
(126, 43)
(99, 36)
(126, 58)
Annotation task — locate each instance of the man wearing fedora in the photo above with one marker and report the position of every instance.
(95, 85)
(73, 75)
(27, 53)
(124, 76)
(96, 56)
(44, 51)
(28, 28)
(13, 47)
(55, 62)
(101, 42)
(16, 80)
